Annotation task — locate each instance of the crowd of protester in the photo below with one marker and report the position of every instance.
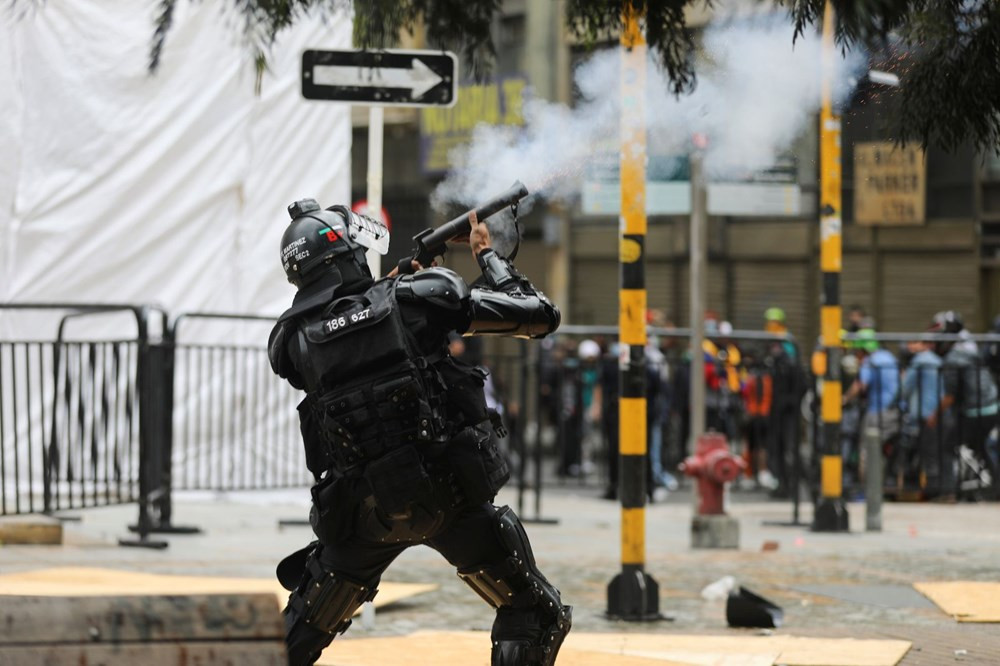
(933, 403)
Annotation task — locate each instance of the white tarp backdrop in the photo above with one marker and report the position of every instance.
(118, 186)
(168, 190)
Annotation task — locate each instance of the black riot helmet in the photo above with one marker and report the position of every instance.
(319, 241)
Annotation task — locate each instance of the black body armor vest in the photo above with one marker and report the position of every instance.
(370, 388)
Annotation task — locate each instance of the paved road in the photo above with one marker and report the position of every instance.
(850, 584)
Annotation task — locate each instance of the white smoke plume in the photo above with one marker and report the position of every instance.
(756, 94)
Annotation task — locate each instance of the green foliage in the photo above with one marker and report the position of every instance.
(946, 54)
(262, 20)
(950, 75)
(864, 22)
(667, 33)
(461, 24)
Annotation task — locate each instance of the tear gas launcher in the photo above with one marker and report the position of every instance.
(431, 243)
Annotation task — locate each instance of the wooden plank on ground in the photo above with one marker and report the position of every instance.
(782, 649)
(30, 529)
(966, 601)
(246, 653)
(96, 581)
(447, 648)
(55, 620)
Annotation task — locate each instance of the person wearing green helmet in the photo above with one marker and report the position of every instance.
(774, 322)
(866, 342)
(774, 314)
(878, 384)
(782, 359)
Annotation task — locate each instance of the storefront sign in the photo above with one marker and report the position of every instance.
(889, 184)
(444, 129)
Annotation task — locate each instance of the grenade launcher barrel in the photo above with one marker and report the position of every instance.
(431, 243)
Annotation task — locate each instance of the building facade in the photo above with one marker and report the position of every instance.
(764, 230)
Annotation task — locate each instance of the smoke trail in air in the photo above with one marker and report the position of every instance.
(756, 95)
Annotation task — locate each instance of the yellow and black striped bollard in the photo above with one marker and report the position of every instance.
(633, 594)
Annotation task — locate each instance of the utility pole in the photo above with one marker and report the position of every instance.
(698, 259)
(831, 512)
(633, 594)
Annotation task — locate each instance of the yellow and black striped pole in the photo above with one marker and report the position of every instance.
(633, 594)
(831, 512)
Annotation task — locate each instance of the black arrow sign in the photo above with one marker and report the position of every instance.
(385, 78)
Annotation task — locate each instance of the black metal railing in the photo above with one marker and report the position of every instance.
(235, 426)
(91, 416)
(74, 409)
(755, 389)
(930, 403)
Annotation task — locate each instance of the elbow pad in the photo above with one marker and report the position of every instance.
(513, 314)
(438, 286)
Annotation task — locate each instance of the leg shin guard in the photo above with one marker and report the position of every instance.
(319, 609)
(531, 619)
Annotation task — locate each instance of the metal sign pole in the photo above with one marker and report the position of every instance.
(699, 239)
(387, 77)
(698, 256)
(376, 131)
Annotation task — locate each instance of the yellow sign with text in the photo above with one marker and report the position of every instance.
(444, 129)
(890, 184)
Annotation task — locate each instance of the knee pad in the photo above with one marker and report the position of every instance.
(515, 581)
(326, 601)
(531, 618)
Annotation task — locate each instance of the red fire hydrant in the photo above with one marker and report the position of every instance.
(713, 465)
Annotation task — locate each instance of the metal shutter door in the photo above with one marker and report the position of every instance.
(915, 286)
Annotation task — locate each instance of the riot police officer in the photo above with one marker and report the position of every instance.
(397, 433)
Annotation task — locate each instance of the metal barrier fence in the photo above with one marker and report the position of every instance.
(235, 425)
(227, 422)
(569, 406)
(931, 408)
(92, 419)
(74, 412)
(103, 419)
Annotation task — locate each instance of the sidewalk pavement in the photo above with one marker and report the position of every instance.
(849, 584)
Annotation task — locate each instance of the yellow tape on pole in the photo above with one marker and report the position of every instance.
(632, 317)
(632, 426)
(831, 476)
(829, 157)
(634, 536)
(633, 125)
(830, 316)
(832, 407)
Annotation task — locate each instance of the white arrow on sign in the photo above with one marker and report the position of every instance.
(419, 78)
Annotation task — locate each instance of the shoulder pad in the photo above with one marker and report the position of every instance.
(277, 352)
(439, 286)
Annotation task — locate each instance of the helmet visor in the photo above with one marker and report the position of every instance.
(365, 231)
